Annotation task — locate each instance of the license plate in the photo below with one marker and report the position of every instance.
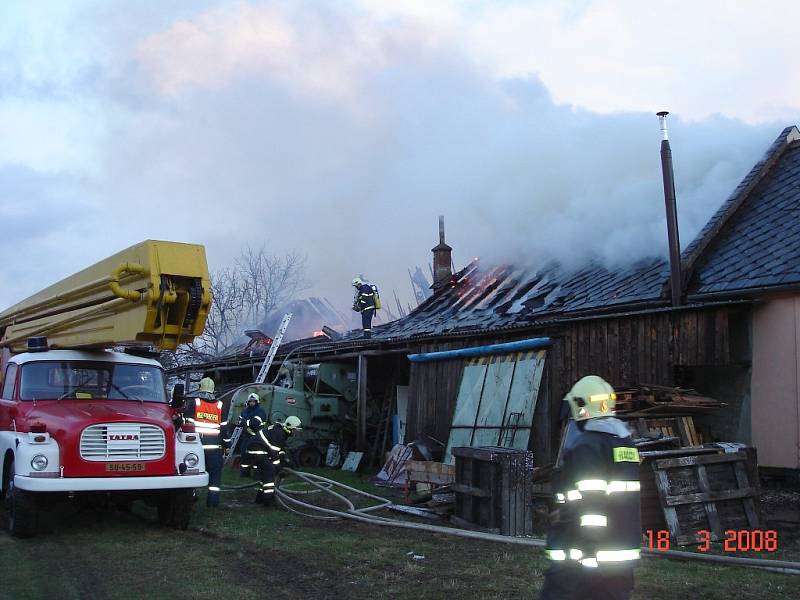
(124, 467)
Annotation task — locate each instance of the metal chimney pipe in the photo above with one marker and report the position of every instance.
(676, 285)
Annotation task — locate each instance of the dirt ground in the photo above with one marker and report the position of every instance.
(246, 551)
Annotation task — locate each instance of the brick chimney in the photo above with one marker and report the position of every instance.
(442, 260)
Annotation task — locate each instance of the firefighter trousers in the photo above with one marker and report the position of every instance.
(366, 321)
(266, 468)
(214, 461)
(245, 460)
(575, 582)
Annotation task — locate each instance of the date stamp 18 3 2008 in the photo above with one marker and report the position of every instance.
(736, 540)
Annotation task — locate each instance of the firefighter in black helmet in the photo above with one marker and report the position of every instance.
(594, 540)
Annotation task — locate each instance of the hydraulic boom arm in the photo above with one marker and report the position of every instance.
(155, 293)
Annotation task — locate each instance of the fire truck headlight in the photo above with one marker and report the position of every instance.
(191, 460)
(39, 462)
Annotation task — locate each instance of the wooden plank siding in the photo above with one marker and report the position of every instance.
(626, 351)
(433, 388)
(641, 349)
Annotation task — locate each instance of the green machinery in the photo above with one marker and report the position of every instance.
(322, 395)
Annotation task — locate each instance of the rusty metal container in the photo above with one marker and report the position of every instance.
(494, 490)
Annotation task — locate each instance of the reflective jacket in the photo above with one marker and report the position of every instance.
(270, 441)
(364, 298)
(207, 418)
(255, 411)
(597, 495)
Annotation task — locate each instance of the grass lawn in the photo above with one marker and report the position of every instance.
(242, 550)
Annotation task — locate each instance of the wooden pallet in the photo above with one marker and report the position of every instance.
(713, 493)
(493, 490)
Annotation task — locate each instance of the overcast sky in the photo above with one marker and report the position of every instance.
(343, 129)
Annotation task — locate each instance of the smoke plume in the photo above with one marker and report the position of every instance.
(318, 129)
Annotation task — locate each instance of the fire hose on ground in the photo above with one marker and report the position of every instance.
(288, 498)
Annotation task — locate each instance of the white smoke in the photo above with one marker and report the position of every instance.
(317, 128)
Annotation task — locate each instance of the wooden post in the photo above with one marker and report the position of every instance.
(361, 432)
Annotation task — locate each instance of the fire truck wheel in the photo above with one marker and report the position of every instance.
(175, 509)
(23, 514)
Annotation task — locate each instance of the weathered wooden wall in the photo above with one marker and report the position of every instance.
(624, 351)
(433, 388)
(640, 349)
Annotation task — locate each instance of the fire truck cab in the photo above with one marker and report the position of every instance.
(78, 421)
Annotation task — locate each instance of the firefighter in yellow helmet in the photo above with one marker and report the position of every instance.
(594, 540)
(265, 453)
(206, 414)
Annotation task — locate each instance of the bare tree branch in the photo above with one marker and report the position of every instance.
(243, 297)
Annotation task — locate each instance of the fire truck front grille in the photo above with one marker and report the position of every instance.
(122, 441)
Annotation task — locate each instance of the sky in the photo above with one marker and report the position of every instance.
(342, 130)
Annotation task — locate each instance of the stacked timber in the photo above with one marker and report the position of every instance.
(655, 401)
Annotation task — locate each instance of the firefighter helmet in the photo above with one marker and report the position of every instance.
(357, 281)
(292, 423)
(207, 385)
(591, 397)
(253, 397)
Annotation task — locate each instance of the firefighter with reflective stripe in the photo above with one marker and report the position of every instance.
(206, 414)
(595, 536)
(255, 412)
(266, 453)
(365, 303)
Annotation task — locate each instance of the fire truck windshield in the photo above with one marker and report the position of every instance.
(91, 381)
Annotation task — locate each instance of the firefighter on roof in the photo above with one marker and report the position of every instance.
(206, 414)
(366, 301)
(266, 453)
(594, 540)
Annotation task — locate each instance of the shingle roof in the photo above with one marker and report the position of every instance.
(485, 297)
(759, 171)
(753, 240)
(758, 244)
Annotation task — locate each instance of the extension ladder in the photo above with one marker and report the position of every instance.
(262, 375)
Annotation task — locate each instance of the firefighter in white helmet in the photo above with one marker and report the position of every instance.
(206, 414)
(266, 453)
(253, 411)
(594, 539)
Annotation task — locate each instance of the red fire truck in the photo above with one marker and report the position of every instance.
(79, 418)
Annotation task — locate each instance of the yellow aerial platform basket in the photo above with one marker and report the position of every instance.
(154, 293)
